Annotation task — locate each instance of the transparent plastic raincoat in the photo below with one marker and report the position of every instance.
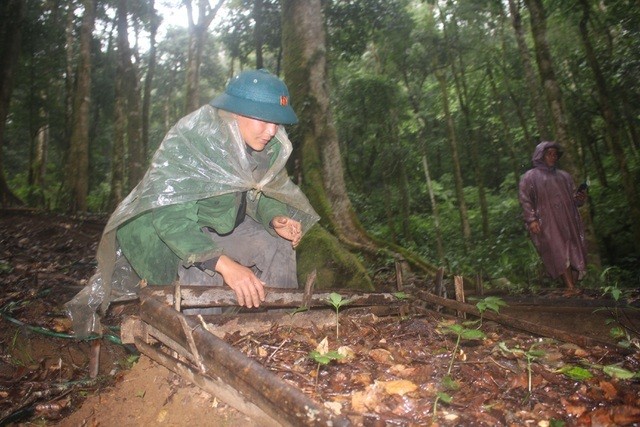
(202, 156)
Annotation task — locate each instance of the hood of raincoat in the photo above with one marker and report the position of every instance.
(538, 154)
(202, 156)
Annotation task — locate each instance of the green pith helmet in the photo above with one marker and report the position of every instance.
(260, 95)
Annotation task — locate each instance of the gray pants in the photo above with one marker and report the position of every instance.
(272, 259)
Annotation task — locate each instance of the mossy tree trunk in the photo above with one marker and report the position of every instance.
(303, 40)
(305, 71)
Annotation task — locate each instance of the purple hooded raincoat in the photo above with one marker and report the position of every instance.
(547, 196)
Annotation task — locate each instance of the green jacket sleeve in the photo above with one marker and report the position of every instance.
(269, 208)
(178, 227)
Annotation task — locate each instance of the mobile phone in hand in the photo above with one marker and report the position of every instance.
(583, 187)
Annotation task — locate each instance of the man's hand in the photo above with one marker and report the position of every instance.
(288, 229)
(580, 197)
(248, 288)
(534, 227)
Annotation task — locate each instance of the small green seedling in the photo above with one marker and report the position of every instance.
(461, 333)
(490, 303)
(299, 310)
(618, 372)
(440, 396)
(401, 296)
(530, 355)
(337, 301)
(576, 373)
(322, 356)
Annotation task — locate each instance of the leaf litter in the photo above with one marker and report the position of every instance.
(413, 370)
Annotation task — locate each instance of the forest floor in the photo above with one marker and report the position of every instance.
(505, 378)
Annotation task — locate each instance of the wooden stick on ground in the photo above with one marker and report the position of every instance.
(515, 323)
(308, 289)
(458, 283)
(94, 358)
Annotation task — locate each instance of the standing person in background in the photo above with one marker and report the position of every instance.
(550, 202)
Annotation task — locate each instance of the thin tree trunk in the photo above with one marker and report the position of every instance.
(405, 201)
(197, 39)
(388, 203)
(434, 208)
(459, 78)
(556, 104)
(70, 72)
(78, 164)
(537, 104)
(257, 32)
(11, 16)
(305, 71)
(120, 111)
(612, 123)
(38, 161)
(134, 168)
(506, 134)
(453, 142)
(148, 83)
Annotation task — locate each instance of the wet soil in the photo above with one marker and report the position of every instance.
(396, 370)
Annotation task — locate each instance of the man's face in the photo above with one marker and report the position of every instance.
(550, 157)
(255, 133)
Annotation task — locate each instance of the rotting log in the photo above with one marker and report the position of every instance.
(204, 296)
(513, 322)
(242, 380)
(568, 302)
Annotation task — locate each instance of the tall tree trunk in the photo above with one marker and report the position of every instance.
(434, 208)
(460, 84)
(257, 32)
(507, 140)
(11, 15)
(305, 71)
(148, 82)
(537, 104)
(70, 72)
(558, 115)
(118, 150)
(457, 173)
(131, 91)
(405, 201)
(612, 123)
(388, 203)
(38, 161)
(78, 164)
(197, 39)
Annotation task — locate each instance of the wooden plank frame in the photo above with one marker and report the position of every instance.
(221, 369)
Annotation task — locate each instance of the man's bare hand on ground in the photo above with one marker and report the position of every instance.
(248, 288)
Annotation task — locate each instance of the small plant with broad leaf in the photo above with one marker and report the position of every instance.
(529, 355)
(490, 303)
(402, 296)
(622, 331)
(337, 301)
(322, 356)
(462, 332)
